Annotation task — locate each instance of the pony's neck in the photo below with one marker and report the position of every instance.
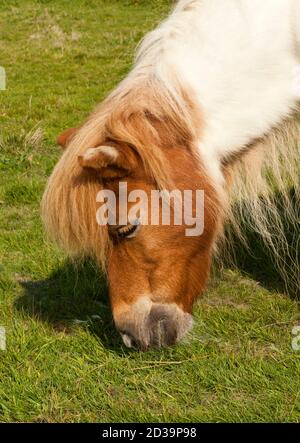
(242, 86)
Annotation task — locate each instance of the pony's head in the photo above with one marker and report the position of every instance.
(156, 270)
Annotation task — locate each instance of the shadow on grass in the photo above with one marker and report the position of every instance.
(257, 261)
(75, 294)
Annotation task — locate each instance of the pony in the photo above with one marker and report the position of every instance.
(209, 104)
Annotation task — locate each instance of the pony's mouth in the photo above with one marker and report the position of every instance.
(162, 334)
(154, 325)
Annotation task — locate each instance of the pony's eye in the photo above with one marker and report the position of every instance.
(128, 231)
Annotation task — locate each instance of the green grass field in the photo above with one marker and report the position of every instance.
(64, 360)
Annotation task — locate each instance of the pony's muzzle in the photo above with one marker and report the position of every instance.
(153, 325)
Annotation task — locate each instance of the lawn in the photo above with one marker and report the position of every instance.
(64, 360)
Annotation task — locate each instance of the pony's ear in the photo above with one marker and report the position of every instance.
(65, 137)
(109, 161)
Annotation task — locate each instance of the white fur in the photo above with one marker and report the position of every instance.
(238, 56)
(109, 151)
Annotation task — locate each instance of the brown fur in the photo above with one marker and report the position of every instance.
(155, 139)
(66, 137)
(161, 261)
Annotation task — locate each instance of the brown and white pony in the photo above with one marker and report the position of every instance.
(201, 109)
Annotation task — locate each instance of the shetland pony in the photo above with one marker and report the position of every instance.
(208, 105)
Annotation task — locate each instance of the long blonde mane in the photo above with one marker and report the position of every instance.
(141, 112)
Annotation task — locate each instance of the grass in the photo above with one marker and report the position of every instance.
(64, 360)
